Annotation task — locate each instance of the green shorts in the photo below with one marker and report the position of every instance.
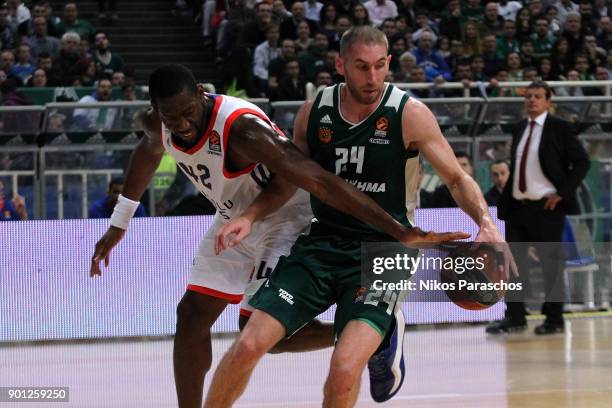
(320, 271)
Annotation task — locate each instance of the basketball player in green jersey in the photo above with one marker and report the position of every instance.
(369, 133)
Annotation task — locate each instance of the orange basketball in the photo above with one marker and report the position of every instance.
(476, 284)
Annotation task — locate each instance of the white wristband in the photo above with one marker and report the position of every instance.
(123, 212)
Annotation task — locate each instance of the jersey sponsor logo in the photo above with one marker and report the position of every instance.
(326, 119)
(376, 140)
(214, 143)
(368, 187)
(286, 296)
(325, 135)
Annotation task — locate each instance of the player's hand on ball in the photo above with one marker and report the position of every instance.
(417, 238)
(490, 234)
(103, 248)
(232, 234)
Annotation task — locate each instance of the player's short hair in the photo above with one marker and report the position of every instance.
(500, 161)
(170, 80)
(460, 153)
(362, 34)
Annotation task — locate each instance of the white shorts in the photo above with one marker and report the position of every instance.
(237, 273)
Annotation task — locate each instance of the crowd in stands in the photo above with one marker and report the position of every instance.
(274, 47)
(39, 48)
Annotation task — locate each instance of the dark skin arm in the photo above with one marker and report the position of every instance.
(253, 140)
(141, 167)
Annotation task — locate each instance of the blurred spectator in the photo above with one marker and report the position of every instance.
(254, 32)
(118, 78)
(72, 23)
(604, 36)
(23, 68)
(397, 47)
(303, 39)
(343, 23)
(492, 22)
(565, 8)
(314, 58)
(264, 54)
(327, 23)
(443, 46)
(323, 79)
(312, 10)
(545, 69)
(15, 122)
(442, 197)
(457, 55)
(279, 12)
(360, 15)
(56, 122)
(527, 57)
(103, 208)
(473, 10)
(42, 8)
(107, 9)
(45, 62)
(19, 17)
(561, 59)
(330, 66)
(581, 64)
(472, 45)
(86, 72)
(379, 10)
(508, 43)
(600, 9)
(609, 64)
(552, 14)
(7, 33)
(572, 32)
(513, 66)
(40, 41)
(530, 74)
(589, 24)
(523, 24)
(238, 16)
(508, 9)
(293, 86)
(601, 74)
(288, 28)
(406, 9)
(85, 49)
(477, 66)
(500, 171)
(572, 75)
(276, 69)
(106, 61)
(92, 119)
(596, 55)
(417, 76)
(38, 79)
(463, 75)
(14, 209)
(7, 63)
(436, 69)
(345, 7)
(495, 90)
(68, 60)
(452, 20)
(536, 7)
(542, 39)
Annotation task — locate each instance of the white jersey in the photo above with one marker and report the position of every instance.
(231, 192)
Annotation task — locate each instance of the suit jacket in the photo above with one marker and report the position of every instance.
(564, 162)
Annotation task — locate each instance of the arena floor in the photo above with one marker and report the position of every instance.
(454, 366)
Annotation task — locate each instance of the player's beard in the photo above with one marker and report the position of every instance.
(361, 97)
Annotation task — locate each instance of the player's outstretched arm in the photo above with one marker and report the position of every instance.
(272, 197)
(420, 129)
(141, 167)
(257, 141)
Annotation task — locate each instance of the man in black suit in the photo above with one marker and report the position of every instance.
(500, 170)
(539, 193)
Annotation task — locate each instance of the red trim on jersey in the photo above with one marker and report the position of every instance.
(215, 293)
(226, 129)
(245, 313)
(206, 134)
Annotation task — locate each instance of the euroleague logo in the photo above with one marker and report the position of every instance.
(380, 133)
(325, 135)
(382, 124)
(214, 144)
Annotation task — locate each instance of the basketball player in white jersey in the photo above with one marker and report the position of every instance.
(229, 149)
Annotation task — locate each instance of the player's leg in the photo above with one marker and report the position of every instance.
(260, 334)
(316, 335)
(192, 353)
(358, 341)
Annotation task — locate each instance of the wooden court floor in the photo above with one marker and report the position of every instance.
(453, 366)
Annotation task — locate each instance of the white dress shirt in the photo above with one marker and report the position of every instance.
(312, 10)
(261, 59)
(508, 11)
(538, 185)
(378, 13)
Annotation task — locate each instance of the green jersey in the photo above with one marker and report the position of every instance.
(370, 155)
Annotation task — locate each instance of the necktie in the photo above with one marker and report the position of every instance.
(522, 180)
